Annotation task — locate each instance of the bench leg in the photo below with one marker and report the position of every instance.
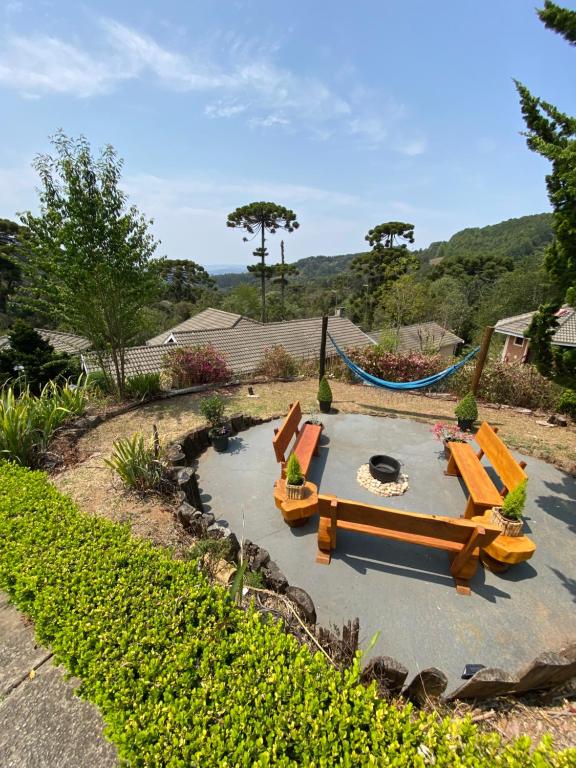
(324, 542)
(471, 510)
(452, 468)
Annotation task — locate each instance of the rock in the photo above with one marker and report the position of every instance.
(388, 673)
(274, 578)
(546, 671)
(527, 411)
(216, 531)
(545, 424)
(208, 518)
(486, 683)
(260, 559)
(175, 455)
(428, 684)
(185, 514)
(558, 420)
(94, 420)
(303, 602)
(187, 482)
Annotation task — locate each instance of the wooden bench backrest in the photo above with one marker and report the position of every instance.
(444, 529)
(286, 431)
(504, 464)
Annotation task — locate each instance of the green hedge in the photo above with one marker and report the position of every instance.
(183, 677)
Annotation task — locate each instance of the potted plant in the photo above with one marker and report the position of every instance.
(466, 412)
(508, 517)
(449, 433)
(294, 478)
(324, 395)
(212, 408)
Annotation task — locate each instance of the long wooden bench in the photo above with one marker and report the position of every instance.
(305, 445)
(467, 464)
(462, 539)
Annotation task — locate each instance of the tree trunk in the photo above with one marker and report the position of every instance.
(282, 281)
(263, 278)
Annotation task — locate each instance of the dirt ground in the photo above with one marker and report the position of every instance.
(96, 490)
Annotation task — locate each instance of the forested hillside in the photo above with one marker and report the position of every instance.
(473, 279)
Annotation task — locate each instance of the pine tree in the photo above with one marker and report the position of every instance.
(552, 134)
(282, 272)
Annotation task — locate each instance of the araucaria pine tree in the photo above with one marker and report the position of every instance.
(388, 260)
(282, 272)
(258, 219)
(552, 134)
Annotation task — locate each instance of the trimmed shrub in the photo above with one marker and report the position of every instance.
(277, 363)
(467, 409)
(143, 386)
(515, 501)
(137, 464)
(567, 403)
(185, 678)
(324, 391)
(294, 474)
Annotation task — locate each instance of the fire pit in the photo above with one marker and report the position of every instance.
(384, 468)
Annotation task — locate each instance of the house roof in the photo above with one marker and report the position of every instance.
(60, 340)
(415, 338)
(244, 343)
(565, 335)
(207, 319)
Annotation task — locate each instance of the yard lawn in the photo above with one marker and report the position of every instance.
(98, 491)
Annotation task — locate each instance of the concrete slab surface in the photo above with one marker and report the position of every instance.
(402, 591)
(43, 724)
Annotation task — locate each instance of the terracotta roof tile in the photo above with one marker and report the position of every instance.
(421, 336)
(207, 319)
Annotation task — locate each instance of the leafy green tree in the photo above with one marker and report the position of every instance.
(552, 134)
(243, 300)
(90, 254)
(388, 260)
(32, 359)
(405, 302)
(258, 219)
(10, 272)
(282, 272)
(183, 280)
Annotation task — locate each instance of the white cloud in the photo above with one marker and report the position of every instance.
(240, 78)
(413, 147)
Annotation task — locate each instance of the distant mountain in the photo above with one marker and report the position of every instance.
(224, 269)
(514, 238)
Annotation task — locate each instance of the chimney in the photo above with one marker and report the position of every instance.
(339, 312)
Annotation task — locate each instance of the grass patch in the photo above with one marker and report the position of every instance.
(183, 677)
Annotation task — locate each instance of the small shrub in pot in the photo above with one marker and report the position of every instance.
(294, 478)
(212, 408)
(509, 515)
(466, 412)
(324, 395)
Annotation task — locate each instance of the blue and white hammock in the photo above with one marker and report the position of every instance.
(419, 384)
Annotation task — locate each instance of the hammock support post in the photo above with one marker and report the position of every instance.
(322, 366)
(488, 331)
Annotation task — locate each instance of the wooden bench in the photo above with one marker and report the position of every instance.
(504, 551)
(465, 463)
(306, 444)
(462, 539)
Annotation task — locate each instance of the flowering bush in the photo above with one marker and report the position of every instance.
(277, 363)
(197, 365)
(451, 432)
(392, 366)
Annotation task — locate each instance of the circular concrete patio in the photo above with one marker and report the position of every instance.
(402, 591)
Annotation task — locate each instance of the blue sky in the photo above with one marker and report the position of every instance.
(350, 113)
